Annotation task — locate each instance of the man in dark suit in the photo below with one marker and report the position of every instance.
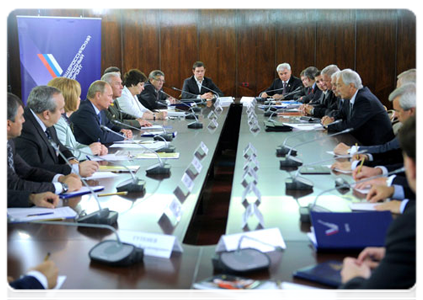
(153, 97)
(393, 266)
(90, 117)
(202, 87)
(311, 90)
(23, 180)
(45, 106)
(367, 116)
(43, 276)
(285, 85)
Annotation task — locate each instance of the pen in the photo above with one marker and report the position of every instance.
(42, 214)
(120, 171)
(111, 194)
(361, 165)
(47, 256)
(279, 284)
(88, 157)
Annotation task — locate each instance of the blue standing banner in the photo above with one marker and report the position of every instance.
(59, 47)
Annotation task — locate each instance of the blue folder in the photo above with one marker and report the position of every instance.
(353, 230)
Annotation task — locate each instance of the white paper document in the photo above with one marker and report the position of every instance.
(367, 206)
(40, 213)
(305, 126)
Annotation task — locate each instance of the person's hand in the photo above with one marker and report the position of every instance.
(103, 150)
(127, 133)
(95, 148)
(360, 157)
(72, 181)
(278, 97)
(161, 115)
(394, 206)
(207, 96)
(308, 109)
(327, 121)
(88, 168)
(365, 172)
(172, 100)
(371, 256)
(264, 95)
(341, 165)
(352, 268)
(379, 192)
(73, 161)
(376, 181)
(144, 123)
(47, 199)
(50, 271)
(341, 148)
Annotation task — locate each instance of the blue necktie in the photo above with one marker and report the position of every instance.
(99, 117)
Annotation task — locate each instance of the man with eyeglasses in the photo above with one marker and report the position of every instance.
(152, 96)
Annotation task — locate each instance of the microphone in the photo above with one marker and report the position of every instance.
(305, 211)
(209, 89)
(161, 168)
(298, 89)
(272, 90)
(126, 125)
(196, 124)
(103, 215)
(111, 131)
(109, 252)
(284, 150)
(196, 109)
(295, 162)
(134, 185)
(335, 122)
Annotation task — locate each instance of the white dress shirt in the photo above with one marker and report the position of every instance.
(130, 104)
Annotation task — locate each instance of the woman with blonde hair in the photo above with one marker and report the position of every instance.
(71, 91)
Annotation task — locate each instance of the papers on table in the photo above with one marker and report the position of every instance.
(100, 175)
(176, 114)
(226, 101)
(364, 190)
(40, 213)
(153, 127)
(363, 206)
(305, 126)
(149, 145)
(291, 291)
(53, 292)
(118, 169)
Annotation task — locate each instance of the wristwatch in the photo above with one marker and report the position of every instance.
(154, 117)
(65, 188)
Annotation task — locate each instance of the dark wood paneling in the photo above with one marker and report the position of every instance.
(335, 42)
(296, 39)
(256, 54)
(217, 47)
(406, 42)
(376, 40)
(178, 46)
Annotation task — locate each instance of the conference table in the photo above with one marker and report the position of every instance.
(28, 243)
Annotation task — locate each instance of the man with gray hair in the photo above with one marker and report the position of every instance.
(153, 97)
(406, 77)
(45, 106)
(366, 115)
(284, 86)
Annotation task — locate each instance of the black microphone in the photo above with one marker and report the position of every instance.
(133, 185)
(160, 168)
(110, 252)
(213, 91)
(298, 89)
(271, 90)
(295, 162)
(103, 215)
(305, 211)
(111, 131)
(189, 93)
(196, 124)
(195, 109)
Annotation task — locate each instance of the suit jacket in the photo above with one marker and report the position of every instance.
(86, 125)
(27, 178)
(151, 98)
(391, 145)
(26, 288)
(18, 198)
(113, 113)
(368, 118)
(313, 95)
(66, 137)
(329, 104)
(35, 148)
(190, 85)
(293, 84)
(397, 270)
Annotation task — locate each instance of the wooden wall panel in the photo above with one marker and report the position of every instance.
(256, 54)
(376, 40)
(217, 47)
(178, 46)
(406, 42)
(296, 39)
(141, 40)
(335, 42)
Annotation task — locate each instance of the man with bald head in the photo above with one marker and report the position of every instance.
(90, 117)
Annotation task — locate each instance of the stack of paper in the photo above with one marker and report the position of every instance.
(40, 213)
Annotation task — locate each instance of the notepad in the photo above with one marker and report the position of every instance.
(17, 215)
(327, 273)
(119, 169)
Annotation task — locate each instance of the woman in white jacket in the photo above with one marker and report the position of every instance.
(71, 91)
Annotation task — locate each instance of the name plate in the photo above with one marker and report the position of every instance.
(212, 115)
(202, 149)
(265, 240)
(251, 187)
(188, 182)
(158, 245)
(252, 210)
(197, 164)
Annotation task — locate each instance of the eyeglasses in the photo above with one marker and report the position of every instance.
(159, 80)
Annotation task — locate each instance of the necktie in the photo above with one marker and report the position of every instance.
(284, 87)
(99, 117)
(350, 112)
(10, 161)
(48, 134)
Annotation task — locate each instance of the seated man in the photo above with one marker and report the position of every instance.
(42, 276)
(200, 85)
(153, 97)
(366, 116)
(89, 119)
(311, 90)
(22, 179)
(392, 266)
(44, 108)
(284, 86)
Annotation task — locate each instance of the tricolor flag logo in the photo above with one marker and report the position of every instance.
(51, 64)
